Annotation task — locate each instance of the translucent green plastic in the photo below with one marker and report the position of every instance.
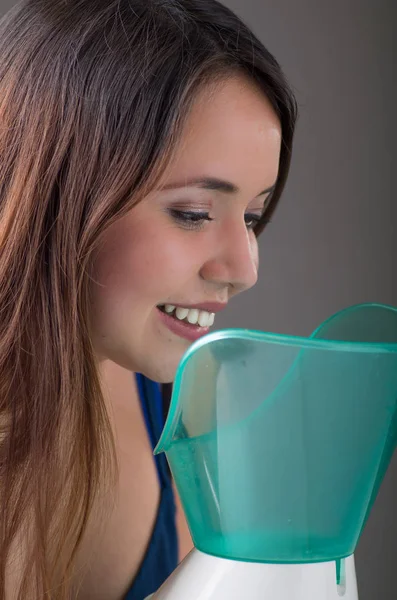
(279, 444)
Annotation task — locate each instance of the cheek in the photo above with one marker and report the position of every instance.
(255, 251)
(143, 265)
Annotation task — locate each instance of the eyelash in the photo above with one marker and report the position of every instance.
(194, 220)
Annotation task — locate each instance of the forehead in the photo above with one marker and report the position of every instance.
(232, 133)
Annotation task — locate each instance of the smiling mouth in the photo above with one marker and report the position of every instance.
(191, 316)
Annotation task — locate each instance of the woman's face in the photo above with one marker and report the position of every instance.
(189, 244)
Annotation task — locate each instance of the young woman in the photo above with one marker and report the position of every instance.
(144, 145)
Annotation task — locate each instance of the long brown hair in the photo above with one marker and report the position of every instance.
(93, 96)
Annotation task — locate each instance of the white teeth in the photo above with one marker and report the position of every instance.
(192, 315)
(181, 313)
(204, 318)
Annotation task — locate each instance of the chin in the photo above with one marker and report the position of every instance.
(159, 364)
(160, 368)
(160, 373)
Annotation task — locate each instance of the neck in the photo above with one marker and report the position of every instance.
(118, 387)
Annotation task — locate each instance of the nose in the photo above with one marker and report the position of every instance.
(233, 260)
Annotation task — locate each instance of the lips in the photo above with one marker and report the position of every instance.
(193, 316)
(211, 307)
(182, 329)
(190, 321)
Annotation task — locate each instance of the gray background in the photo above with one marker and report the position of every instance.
(332, 241)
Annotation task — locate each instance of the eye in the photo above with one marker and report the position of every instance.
(251, 220)
(195, 220)
(190, 219)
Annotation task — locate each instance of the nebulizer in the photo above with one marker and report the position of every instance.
(278, 446)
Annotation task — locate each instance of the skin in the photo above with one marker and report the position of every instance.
(149, 258)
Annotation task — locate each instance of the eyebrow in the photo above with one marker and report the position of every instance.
(214, 184)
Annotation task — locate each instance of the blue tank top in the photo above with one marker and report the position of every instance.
(161, 556)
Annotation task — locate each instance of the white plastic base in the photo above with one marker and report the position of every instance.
(204, 577)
